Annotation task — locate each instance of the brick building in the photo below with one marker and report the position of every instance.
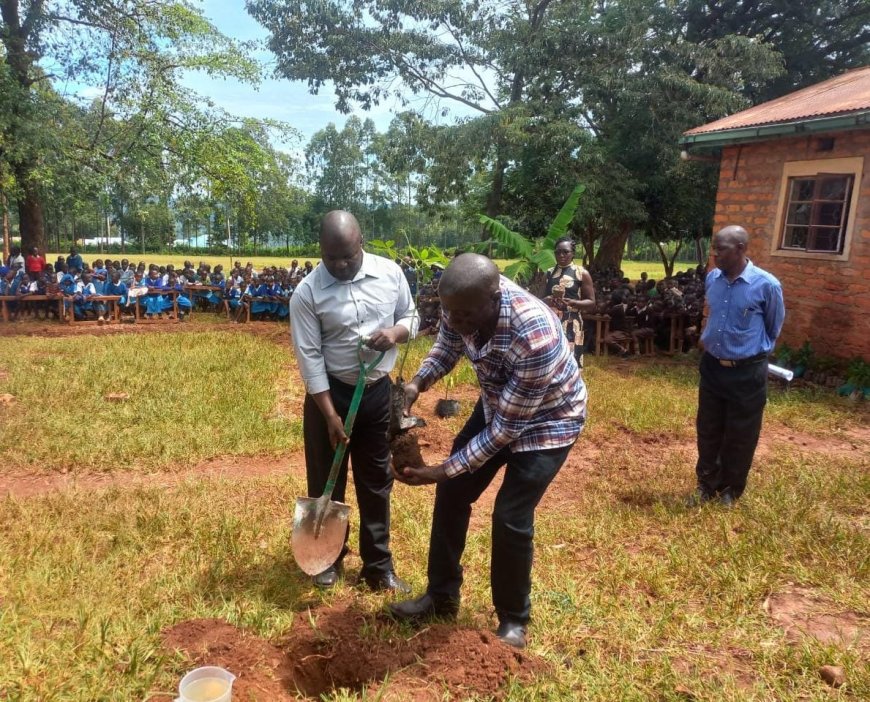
(795, 172)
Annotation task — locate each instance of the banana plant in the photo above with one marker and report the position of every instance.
(533, 255)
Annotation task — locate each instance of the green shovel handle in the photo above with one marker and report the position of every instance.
(341, 449)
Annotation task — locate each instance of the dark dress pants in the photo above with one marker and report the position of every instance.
(527, 476)
(730, 409)
(369, 451)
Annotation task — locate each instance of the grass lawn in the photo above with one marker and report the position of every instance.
(635, 597)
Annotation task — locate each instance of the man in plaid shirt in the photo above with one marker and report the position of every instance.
(532, 408)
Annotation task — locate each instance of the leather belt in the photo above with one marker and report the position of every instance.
(736, 363)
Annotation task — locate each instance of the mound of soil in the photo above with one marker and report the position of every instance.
(340, 647)
(406, 451)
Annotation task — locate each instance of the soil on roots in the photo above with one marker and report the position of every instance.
(406, 451)
(340, 647)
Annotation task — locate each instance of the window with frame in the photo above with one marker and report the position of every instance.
(817, 212)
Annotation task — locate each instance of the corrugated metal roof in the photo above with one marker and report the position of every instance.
(844, 94)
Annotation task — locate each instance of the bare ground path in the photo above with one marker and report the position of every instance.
(589, 458)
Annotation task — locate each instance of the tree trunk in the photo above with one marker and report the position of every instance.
(30, 219)
(587, 239)
(611, 248)
(669, 264)
(4, 205)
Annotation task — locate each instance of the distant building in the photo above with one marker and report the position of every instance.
(102, 241)
(794, 173)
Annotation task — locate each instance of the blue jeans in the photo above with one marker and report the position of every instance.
(527, 476)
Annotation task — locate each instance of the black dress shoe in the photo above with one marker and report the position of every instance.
(388, 582)
(698, 498)
(328, 578)
(424, 608)
(726, 499)
(512, 633)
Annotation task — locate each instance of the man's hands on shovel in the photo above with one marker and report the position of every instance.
(334, 424)
(427, 474)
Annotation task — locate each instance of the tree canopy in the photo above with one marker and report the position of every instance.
(551, 94)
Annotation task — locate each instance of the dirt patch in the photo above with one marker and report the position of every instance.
(20, 484)
(850, 443)
(258, 665)
(801, 613)
(201, 322)
(699, 661)
(406, 451)
(341, 647)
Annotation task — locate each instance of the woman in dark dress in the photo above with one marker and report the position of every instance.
(570, 292)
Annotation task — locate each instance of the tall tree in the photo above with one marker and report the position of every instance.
(339, 166)
(477, 54)
(133, 51)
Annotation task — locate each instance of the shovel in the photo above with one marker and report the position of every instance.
(319, 524)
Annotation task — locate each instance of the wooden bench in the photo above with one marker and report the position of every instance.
(30, 297)
(246, 303)
(113, 311)
(602, 329)
(165, 316)
(678, 331)
(193, 288)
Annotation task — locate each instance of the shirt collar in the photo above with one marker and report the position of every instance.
(368, 269)
(747, 275)
(501, 337)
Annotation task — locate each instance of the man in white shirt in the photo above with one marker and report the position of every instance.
(352, 295)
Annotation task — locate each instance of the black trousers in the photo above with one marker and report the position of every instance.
(369, 451)
(526, 478)
(730, 408)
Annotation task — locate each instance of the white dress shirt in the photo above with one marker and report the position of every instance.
(328, 316)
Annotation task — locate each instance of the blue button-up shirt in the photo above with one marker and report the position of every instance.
(746, 315)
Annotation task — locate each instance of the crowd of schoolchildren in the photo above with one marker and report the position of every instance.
(637, 310)
(158, 291)
(644, 309)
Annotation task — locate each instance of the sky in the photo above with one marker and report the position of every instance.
(284, 100)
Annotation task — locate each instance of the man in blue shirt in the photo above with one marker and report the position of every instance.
(746, 312)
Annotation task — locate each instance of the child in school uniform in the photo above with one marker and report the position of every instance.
(282, 298)
(85, 289)
(115, 286)
(52, 290)
(182, 300)
(21, 287)
(233, 294)
(261, 306)
(249, 291)
(99, 275)
(214, 297)
(153, 302)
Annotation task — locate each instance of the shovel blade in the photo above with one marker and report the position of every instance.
(313, 550)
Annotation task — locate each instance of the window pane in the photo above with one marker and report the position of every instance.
(825, 239)
(796, 237)
(829, 214)
(834, 188)
(799, 214)
(802, 189)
